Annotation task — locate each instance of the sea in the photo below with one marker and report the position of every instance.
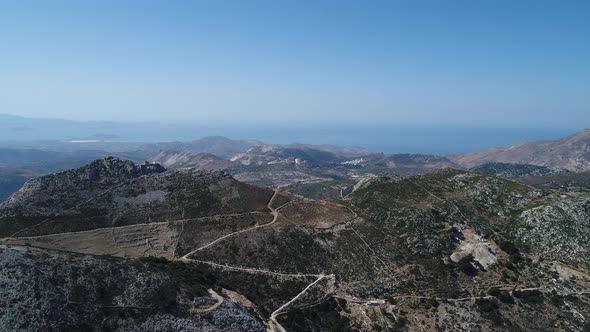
(376, 138)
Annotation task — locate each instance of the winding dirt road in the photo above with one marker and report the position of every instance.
(275, 214)
(217, 297)
(273, 324)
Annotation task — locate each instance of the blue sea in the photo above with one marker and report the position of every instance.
(376, 138)
(402, 139)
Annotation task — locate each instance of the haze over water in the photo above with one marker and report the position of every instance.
(384, 138)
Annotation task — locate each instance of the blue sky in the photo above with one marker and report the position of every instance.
(468, 63)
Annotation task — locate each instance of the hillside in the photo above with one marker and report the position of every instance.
(421, 247)
(93, 293)
(568, 181)
(513, 171)
(219, 146)
(266, 154)
(571, 153)
(182, 159)
(449, 250)
(111, 192)
(344, 151)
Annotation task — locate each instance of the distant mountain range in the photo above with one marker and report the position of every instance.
(572, 153)
(514, 171)
(220, 146)
(176, 159)
(255, 162)
(188, 235)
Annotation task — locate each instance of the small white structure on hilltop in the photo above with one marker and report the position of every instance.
(373, 303)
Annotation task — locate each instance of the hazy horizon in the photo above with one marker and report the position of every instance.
(374, 137)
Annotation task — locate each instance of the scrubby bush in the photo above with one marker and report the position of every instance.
(465, 265)
(501, 295)
(529, 296)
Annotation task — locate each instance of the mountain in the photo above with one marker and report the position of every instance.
(19, 165)
(118, 192)
(319, 173)
(344, 151)
(182, 159)
(571, 153)
(314, 158)
(267, 154)
(57, 156)
(276, 165)
(194, 250)
(513, 171)
(217, 145)
(416, 163)
(570, 181)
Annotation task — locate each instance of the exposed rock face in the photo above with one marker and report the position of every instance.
(572, 153)
(483, 251)
(513, 171)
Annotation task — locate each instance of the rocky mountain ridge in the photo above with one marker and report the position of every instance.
(182, 159)
(447, 250)
(571, 153)
(113, 191)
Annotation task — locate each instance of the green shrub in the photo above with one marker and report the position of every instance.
(465, 266)
(501, 295)
(529, 296)
(487, 305)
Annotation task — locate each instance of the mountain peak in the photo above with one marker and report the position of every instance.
(113, 167)
(103, 172)
(571, 153)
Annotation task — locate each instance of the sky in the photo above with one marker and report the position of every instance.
(437, 63)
